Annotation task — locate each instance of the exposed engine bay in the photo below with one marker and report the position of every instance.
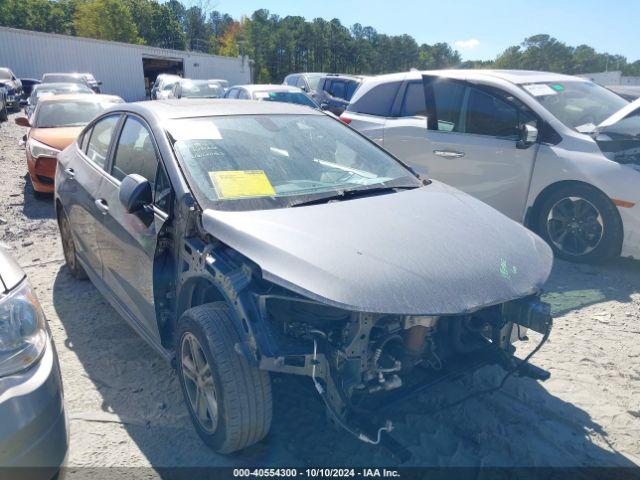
(353, 357)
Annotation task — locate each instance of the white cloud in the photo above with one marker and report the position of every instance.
(466, 44)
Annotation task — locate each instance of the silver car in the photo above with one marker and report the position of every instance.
(33, 425)
(244, 238)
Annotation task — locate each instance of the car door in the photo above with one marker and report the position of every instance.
(128, 241)
(467, 136)
(82, 174)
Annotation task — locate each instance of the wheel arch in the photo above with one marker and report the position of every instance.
(198, 290)
(534, 210)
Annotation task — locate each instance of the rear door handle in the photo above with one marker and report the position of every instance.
(70, 173)
(448, 153)
(101, 203)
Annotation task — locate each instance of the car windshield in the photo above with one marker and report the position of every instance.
(202, 90)
(286, 97)
(5, 74)
(169, 85)
(250, 162)
(578, 104)
(70, 113)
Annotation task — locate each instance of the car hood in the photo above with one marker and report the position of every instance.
(431, 250)
(58, 138)
(621, 114)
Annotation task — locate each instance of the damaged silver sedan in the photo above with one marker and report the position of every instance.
(242, 238)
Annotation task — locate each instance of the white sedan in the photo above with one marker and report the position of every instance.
(555, 152)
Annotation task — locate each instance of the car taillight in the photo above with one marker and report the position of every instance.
(345, 120)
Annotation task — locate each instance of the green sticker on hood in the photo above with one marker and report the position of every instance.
(557, 87)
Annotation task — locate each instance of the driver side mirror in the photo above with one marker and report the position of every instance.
(23, 122)
(135, 193)
(528, 136)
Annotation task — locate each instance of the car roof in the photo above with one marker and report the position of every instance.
(307, 73)
(68, 74)
(346, 76)
(200, 80)
(514, 76)
(83, 97)
(43, 86)
(268, 88)
(192, 108)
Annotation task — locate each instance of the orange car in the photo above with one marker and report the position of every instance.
(55, 124)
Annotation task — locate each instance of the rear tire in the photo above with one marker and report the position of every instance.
(580, 223)
(237, 406)
(69, 248)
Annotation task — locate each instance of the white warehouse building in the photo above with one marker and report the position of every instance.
(124, 69)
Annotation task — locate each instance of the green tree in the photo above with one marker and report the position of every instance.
(106, 20)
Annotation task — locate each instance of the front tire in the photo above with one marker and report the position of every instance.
(581, 224)
(4, 114)
(69, 248)
(229, 399)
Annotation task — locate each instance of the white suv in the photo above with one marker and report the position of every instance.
(555, 152)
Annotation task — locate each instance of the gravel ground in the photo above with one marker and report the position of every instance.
(125, 406)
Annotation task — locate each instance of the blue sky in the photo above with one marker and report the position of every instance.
(478, 29)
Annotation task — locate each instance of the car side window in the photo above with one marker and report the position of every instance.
(300, 83)
(291, 80)
(377, 101)
(233, 93)
(100, 139)
(338, 88)
(243, 95)
(135, 152)
(84, 141)
(413, 104)
(443, 100)
(488, 114)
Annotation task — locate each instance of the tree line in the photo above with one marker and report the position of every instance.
(281, 45)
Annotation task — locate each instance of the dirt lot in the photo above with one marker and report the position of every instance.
(125, 406)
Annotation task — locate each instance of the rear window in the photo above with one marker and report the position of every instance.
(298, 98)
(202, 90)
(351, 89)
(61, 78)
(377, 101)
(71, 113)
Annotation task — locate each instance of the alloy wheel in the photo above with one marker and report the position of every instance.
(199, 384)
(575, 226)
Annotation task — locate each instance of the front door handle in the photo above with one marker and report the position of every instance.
(102, 205)
(448, 153)
(70, 173)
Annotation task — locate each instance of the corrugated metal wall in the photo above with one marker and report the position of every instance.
(117, 65)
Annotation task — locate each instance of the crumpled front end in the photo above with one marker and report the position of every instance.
(374, 297)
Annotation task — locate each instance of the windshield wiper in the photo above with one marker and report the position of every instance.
(352, 193)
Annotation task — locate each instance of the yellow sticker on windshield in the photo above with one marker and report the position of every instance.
(241, 184)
